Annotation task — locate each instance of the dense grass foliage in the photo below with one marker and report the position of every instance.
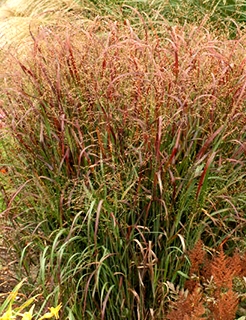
(124, 143)
(19, 18)
(228, 16)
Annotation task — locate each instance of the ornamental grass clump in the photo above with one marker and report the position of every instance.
(127, 144)
(223, 16)
(227, 16)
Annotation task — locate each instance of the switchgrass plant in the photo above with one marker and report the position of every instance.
(128, 145)
(193, 10)
(222, 15)
(18, 18)
(3, 171)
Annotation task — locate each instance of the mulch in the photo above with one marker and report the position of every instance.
(7, 272)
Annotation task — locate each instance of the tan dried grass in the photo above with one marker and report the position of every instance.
(19, 17)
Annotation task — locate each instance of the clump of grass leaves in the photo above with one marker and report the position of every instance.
(222, 15)
(128, 144)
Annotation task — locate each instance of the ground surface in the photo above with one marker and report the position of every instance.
(7, 273)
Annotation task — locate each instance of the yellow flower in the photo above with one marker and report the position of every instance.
(7, 315)
(28, 315)
(54, 312)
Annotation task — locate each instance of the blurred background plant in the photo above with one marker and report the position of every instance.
(10, 311)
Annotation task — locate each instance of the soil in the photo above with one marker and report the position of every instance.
(7, 274)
